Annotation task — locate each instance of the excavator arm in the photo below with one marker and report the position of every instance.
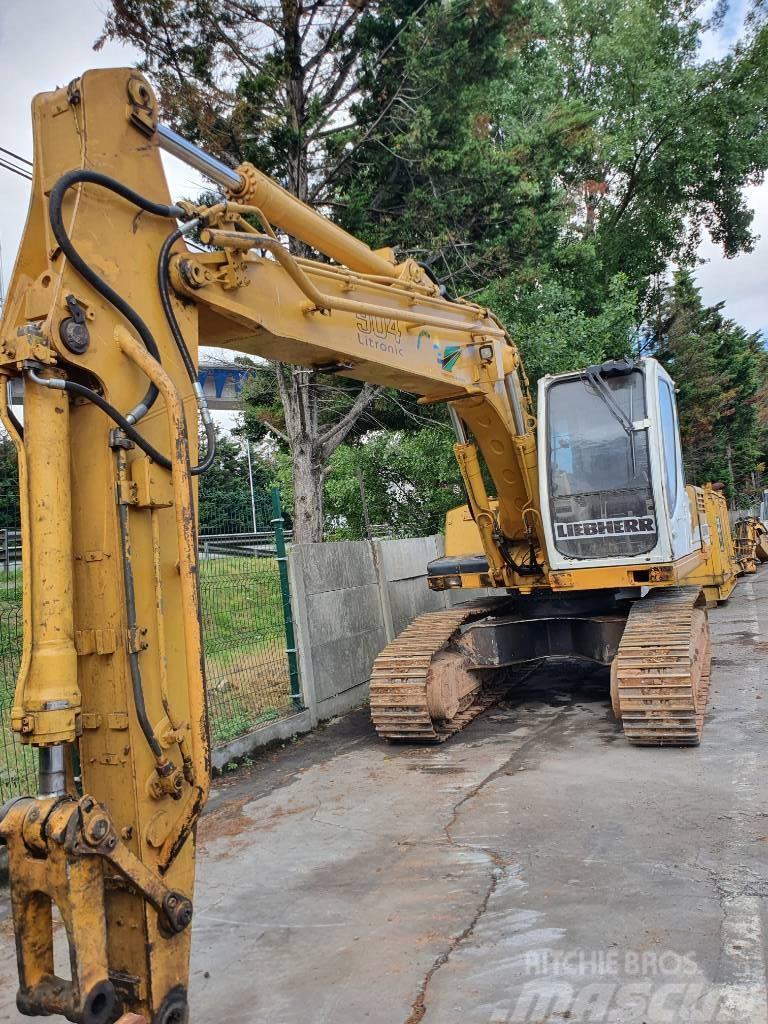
(104, 313)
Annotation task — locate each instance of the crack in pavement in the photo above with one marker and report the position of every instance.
(498, 863)
(419, 1007)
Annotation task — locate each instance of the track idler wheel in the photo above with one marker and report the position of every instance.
(450, 685)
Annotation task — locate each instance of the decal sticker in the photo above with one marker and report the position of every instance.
(606, 527)
(379, 332)
(450, 357)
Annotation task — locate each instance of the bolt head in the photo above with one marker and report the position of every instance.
(100, 828)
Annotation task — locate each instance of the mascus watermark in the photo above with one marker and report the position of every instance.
(641, 1001)
(626, 986)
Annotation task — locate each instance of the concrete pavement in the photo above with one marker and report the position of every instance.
(536, 868)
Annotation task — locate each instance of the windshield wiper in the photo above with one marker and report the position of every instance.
(590, 376)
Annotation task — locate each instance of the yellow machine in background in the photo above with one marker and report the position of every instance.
(586, 542)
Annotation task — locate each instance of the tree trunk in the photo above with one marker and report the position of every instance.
(311, 443)
(307, 494)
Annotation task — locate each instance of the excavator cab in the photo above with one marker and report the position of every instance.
(610, 467)
(614, 508)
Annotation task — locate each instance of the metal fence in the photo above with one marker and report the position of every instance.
(18, 763)
(249, 657)
(247, 633)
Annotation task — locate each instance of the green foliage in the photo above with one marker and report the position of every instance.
(9, 484)
(719, 369)
(236, 724)
(554, 333)
(225, 495)
(674, 141)
(471, 133)
(576, 124)
(411, 480)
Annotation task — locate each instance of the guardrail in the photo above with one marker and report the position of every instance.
(260, 544)
(10, 549)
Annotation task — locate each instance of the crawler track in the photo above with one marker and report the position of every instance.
(660, 677)
(403, 683)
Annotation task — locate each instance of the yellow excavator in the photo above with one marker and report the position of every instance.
(592, 546)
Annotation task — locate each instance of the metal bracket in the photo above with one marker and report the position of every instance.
(142, 109)
(94, 834)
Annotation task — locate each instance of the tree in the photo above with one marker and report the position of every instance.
(411, 480)
(463, 134)
(686, 341)
(224, 496)
(739, 359)
(718, 368)
(271, 83)
(552, 329)
(338, 419)
(592, 142)
(673, 141)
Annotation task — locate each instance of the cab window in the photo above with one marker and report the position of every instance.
(669, 441)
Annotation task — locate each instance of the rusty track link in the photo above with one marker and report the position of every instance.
(660, 682)
(399, 705)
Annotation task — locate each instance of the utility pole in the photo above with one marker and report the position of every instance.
(250, 482)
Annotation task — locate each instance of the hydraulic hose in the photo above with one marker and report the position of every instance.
(133, 657)
(80, 391)
(165, 297)
(163, 276)
(55, 204)
(12, 415)
(435, 280)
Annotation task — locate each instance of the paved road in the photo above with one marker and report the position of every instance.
(534, 869)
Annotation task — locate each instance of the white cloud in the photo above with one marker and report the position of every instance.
(45, 44)
(742, 281)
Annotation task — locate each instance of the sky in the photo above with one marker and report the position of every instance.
(46, 43)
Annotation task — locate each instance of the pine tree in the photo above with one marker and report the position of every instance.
(720, 372)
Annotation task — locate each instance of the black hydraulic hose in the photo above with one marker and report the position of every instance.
(434, 279)
(210, 450)
(15, 423)
(163, 264)
(163, 275)
(133, 657)
(55, 204)
(93, 396)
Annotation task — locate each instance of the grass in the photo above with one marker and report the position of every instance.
(244, 641)
(242, 603)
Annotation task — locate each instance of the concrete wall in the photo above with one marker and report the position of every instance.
(339, 622)
(350, 599)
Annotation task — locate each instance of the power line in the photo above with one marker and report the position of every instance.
(16, 170)
(15, 156)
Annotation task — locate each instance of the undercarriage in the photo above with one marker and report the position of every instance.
(448, 666)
